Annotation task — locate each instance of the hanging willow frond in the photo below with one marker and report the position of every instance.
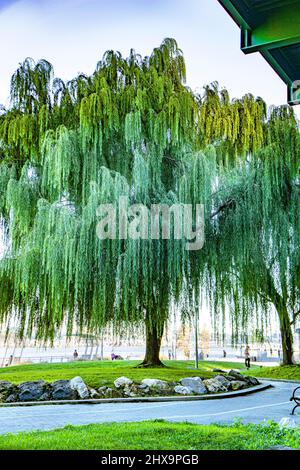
(134, 130)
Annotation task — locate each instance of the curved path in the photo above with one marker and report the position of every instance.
(270, 404)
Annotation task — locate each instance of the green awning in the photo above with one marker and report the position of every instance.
(271, 27)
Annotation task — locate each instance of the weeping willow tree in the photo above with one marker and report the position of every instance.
(254, 256)
(131, 130)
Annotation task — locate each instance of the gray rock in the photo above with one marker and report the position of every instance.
(230, 378)
(195, 384)
(132, 391)
(237, 385)
(6, 389)
(237, 375)
(80, 387)
(13, 398)
(121, 382)
(223, 380)
(156, 384)
(61, 390)
(94, 394)
(144, 387)
(33, 391)
(251, 380)
(46, 396)
(107, 392)
(181, 390)
(102, 390)
(142, 390)
(214, 386)
(220, 371)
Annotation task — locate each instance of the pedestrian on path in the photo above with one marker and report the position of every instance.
(247, 356)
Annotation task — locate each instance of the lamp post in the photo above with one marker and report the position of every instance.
(196, 342)
(297, 330)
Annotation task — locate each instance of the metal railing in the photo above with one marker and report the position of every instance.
(8, 361)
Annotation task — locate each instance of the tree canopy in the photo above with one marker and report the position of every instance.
(134, 129)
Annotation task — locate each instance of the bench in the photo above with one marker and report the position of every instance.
(296, 398)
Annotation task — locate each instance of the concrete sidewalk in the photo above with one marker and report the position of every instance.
(271, 404)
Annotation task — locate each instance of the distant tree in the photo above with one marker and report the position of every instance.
(254, 255)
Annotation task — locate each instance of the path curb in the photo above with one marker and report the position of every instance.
(280, 380)
(238, 393)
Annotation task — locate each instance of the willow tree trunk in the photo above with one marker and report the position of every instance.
(280, 304)
(286, 334)
(154, 333)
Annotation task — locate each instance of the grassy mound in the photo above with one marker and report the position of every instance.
(99, 373)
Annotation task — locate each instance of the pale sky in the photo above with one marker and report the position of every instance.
(74, 34)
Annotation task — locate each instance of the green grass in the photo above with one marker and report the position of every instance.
(279, 372)
(154, 435)
(98, 373)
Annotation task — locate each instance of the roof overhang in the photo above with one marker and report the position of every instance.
(271, 27)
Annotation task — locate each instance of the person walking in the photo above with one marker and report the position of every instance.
(75, 355)
(247, 356)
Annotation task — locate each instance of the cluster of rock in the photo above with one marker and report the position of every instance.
(41, 391)
(124, 387)
(224, 382)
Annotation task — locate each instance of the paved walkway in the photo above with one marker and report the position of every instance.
(270, 404)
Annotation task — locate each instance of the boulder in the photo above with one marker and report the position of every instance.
(223, 380)
(236, 375)
(156, 384)
(61, 390)
(33, 391)
(46, 396)
(132, 390)
(214, 386)
(94, 394)
(13, 398)
(121, 382)
(237, 385)
(102, 390)
(195, 384)
(144, 388)
(6, 389)
(181, 390)
(230, 378)
(107, 392)
(80, 387)
(252, 381)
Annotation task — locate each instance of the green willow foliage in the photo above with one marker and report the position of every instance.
(132, 129)
(254, 252)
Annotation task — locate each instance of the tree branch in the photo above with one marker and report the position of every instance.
(295, 316)
(224, 206)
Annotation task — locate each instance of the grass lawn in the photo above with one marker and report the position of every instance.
(154, 435)
(279, 372)
(98, 373)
